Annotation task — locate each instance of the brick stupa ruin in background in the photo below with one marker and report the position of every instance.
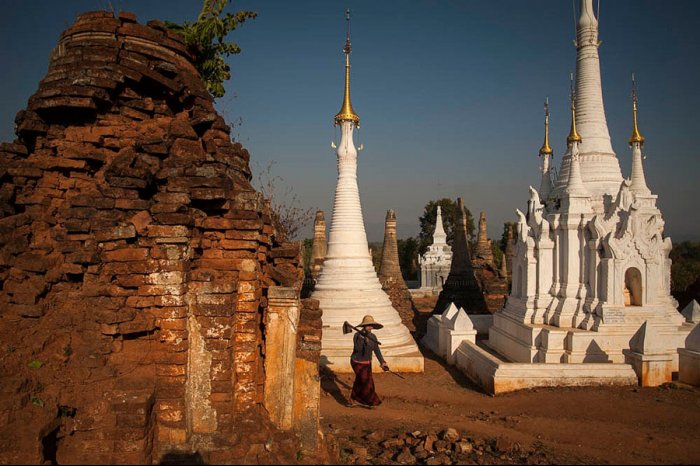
(320, 244)
(144, 299)
(491, 280)
(390, 274)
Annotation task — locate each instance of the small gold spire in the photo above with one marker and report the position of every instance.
(346, 112)
(545, 149)
(573, 134)
(636, 135)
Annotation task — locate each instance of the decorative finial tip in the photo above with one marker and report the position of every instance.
(636, 136)
(546, 149)
(346, 112)
(573, 134)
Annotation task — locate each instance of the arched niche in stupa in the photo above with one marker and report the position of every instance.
(633, 287)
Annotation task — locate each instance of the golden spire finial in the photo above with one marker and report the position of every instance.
(573, 134)
(545, 149)
(346, 112)
(636, 136)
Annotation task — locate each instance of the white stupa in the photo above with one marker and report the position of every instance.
(591, 262)
(435, 263)
(348, 287)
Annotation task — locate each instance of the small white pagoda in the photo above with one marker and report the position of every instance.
(435, 263)
(348, 287)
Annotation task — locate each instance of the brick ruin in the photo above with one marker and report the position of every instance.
(492, 281)
(390, 274)
(320, 245)
(148, 310)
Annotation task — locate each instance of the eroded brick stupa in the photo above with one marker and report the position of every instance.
(145, 297)
(390, 275)
(492, 282)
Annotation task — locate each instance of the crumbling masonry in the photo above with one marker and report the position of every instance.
(390, 274)
(141, 282)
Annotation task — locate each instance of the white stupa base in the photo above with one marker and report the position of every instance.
(497, 375)
(347, 291)
(538, 343)
(338, 360)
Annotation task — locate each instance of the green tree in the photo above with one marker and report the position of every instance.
(408, 257)
(206, 38)
(685, 269)
(449, 217)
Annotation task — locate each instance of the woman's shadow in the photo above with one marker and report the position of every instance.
(331, 383)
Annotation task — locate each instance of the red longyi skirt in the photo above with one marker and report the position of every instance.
(363, 388)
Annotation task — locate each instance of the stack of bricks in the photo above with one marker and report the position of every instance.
(135, 259)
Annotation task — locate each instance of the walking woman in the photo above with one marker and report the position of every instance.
(365, 343)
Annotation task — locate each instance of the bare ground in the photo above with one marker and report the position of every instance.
(615, 425)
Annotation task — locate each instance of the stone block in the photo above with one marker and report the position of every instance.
(652, 369)
(126, 255)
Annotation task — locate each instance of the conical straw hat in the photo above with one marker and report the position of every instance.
(368, 320)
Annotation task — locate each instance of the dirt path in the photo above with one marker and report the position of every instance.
(571, 425)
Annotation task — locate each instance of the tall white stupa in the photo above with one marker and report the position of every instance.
(591, 263)
(348, 287)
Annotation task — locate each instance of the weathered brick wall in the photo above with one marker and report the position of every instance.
(135, 259)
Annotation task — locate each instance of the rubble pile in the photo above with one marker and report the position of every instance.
(446, 447)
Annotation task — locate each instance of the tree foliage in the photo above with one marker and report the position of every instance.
(685, 269)
(206, 38)
(408, 257)
(449, 217)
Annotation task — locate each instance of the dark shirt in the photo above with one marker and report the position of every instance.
(365, 344)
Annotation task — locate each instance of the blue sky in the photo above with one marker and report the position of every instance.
(450, 93)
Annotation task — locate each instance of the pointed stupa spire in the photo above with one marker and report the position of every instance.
(600, 168)
(546, 153)
(574, 184)
(439, 236)
(638, 181)
(636, 136)
(346, 112)
(573, 134)
(546, 149)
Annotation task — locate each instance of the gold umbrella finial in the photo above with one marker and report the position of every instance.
(546, 149)
(573, 134)
(346, 112)
(636, 135)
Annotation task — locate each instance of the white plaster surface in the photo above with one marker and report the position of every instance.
(498, 376)
(435, 263)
